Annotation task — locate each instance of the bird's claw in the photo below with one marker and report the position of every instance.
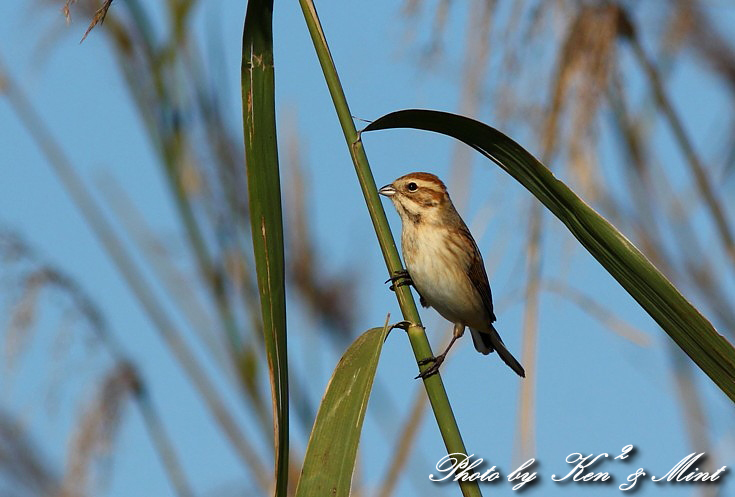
(401, 273)
(426, 361)
(434, 369)
(404, 282)
(399, 278)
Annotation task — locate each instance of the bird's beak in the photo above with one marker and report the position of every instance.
(387, 190)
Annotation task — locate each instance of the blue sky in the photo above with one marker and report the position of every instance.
(595, 392)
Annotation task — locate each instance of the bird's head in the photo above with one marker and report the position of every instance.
(418, 197)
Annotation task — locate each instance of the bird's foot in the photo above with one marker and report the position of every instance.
(426, 361)
(399, 278)
(437, 361)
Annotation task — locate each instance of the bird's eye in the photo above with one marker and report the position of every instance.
(412, 187)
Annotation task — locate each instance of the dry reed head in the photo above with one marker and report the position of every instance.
(23, 470)
(20, 461)
(96, 429)
(22, 316)
(66, 10)
(706, 38)
(31, 278)
(586, 59)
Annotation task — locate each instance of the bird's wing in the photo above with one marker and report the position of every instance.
(477, 274)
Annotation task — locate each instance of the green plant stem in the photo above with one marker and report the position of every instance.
(416, 333)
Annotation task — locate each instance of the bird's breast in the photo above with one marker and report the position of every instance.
(439, 270)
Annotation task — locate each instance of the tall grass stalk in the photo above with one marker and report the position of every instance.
(416, 333)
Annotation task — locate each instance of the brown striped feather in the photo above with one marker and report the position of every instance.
(477, 274)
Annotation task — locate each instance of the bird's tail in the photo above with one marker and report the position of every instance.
(486, 342)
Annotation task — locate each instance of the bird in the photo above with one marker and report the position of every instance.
(444, 265)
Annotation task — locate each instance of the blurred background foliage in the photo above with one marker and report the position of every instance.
(587, 91)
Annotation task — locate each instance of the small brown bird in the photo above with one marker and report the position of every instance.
(444, 264)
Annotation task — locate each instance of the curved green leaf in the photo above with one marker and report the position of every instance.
(680, 319)
(330, 455)
(266, 220)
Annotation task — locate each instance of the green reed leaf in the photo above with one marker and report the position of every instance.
(264, 191)
(330, 455)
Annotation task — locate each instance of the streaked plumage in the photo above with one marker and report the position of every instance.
(444, 263)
